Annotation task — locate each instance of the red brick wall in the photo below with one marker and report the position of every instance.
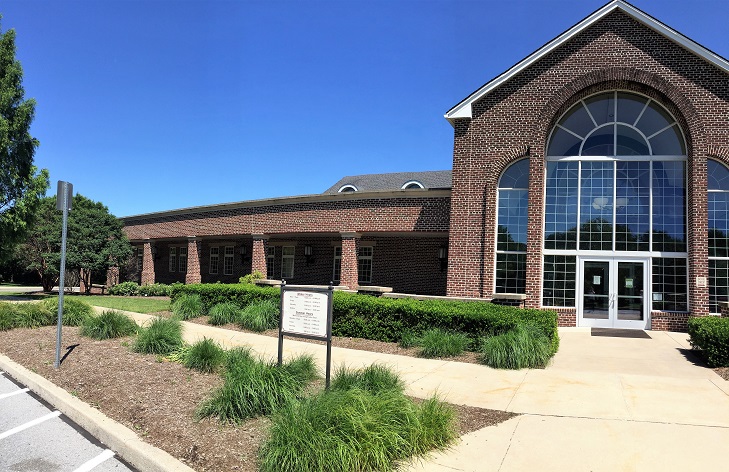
(515, 120)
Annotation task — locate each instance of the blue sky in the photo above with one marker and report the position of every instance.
(155, 105)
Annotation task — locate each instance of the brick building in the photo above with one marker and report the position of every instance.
(592, 177)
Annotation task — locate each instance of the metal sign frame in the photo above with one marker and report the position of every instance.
(328, 291)
(64, 198)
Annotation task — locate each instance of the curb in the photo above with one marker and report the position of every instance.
(122, 440)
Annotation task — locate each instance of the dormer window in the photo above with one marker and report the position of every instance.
(412, 184)
(347, 188)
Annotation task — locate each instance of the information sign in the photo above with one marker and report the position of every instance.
(305, 313)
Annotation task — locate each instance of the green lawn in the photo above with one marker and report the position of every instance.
(135, 304)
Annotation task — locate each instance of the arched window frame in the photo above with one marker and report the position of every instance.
(511, 201)
(718, 222)
(412, 184)
(347, 188)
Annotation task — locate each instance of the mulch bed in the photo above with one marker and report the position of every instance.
(157, 399)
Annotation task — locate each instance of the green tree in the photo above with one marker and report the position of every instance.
(21, 185)
(95, 240)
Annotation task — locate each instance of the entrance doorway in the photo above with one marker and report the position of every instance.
(614, 293)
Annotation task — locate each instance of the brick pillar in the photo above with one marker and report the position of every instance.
(82, 282)
(147, 265)
(697, 240)
(112, 276)
(349, 275)
(258, 259)
(194, 249)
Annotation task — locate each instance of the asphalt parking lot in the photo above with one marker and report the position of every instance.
(36, 437)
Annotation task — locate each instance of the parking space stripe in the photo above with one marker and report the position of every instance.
(90, 464)
(29, 424)
(17, 392)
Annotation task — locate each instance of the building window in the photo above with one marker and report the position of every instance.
(270, 260)
(214, 258)
(183, 259)
(670, 284)
(559, 281)
(364, 265)
(718, 186)
(173, 259)
(337, 271)
(140, 259)
(512, 228)
(228, 261)
(412, 184)
(287, 262)
(347, 188)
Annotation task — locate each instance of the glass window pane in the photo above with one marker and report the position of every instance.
(516, 175)
(668, 143)
(512, 220)
(578, 120)
(654, 119)
(669, 206)
(596, 209)
(561, 206)
(564, 144)
(670, 288)
(718, 175)
(632, 206)
(602, 108)
(629, 107)
(559, 281)
(600, 143)
(510, 273)
(630, 142)
(718, 224)
(718, 284)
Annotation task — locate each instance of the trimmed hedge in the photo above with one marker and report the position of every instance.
(710, 336)
(387, 319)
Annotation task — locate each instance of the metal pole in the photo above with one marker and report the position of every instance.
(62, 276)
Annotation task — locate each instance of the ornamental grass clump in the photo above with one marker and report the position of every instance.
(439, 343)
(355, 429)
(374, 378)
(260, 316)
(162, 336)
(188, 306)
(32, 315)
(254, 387)
(75, 312)
(525, 346)
(7, 316)
(108, 325)
(223, 313)
(205, 355)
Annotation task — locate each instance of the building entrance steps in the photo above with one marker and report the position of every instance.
(603, 404)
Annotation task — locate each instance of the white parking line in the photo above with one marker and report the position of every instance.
(17, 392)
(90, 464)
(27, 425)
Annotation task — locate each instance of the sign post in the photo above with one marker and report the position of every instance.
(306, 312)
(63, 202)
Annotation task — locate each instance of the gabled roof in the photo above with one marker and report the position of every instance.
(463, 109)
(394, 181)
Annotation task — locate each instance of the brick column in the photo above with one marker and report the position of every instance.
(112, 276)
(147, 265)
(349, 274)
(194, 248)
(258, 259)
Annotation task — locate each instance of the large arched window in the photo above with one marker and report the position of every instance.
(512, 228)
(718, 186)
(616, 187)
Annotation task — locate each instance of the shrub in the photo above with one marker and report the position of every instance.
(32, 315)
(440, 343)
(346, 430)
(525, 346)
(125, 288)
(109, 324)
(75, 311)
(161, 336)
(205, 355)
(154, 290)
(374, 378)
(253, 388)
(223, 313)
(710, 336)
(212, 294)
(409, 339)
(260, 316)
(7, 316)
(252, 278)
(188, 306)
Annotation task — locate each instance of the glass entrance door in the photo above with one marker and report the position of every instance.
(613, 293)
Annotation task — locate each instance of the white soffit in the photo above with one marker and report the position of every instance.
(463, 109)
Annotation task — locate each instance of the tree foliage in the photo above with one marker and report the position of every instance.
(21, 185)
(95, 240)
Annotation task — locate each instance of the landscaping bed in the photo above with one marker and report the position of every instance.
(158, 399)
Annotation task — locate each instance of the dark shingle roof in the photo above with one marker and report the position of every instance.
(393, 181)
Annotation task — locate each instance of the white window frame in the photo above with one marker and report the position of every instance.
(347, 188)
(364, 254)
(173, 259)
(288, 253)
(182, 259)
(270, 260)
(140, 259)
(214, 259)
(411, 185)
(337, 264)
(228, 260)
